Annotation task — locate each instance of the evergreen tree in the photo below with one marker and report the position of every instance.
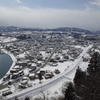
(79, 76)
(40, 76)
(16, 98)
(69, 92)
(89, 88)
(94, 63)
(27, 98)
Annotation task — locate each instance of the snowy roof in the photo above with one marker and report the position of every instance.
(17, 66)
(32, 74)
(33, 64)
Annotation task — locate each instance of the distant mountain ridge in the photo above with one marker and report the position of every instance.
(67, 29)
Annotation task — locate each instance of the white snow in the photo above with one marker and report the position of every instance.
(7, 39)
(84, 66)
(21, 55)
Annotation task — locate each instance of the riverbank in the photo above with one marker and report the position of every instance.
(14, 60)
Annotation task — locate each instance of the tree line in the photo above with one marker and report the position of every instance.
(86, 84)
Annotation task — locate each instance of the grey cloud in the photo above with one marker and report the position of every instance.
(49, 18)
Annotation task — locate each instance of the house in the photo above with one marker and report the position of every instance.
(22, 63)
(32, 69)
(6, 77)
(42, 71)
(39, 63)
(32, 76)
(24, 80)
(22, 86)
(57, 57)
(33, 65)
(6, 92)
(29, 84)
(48, 75)
(61, 60)
(16, 75)
(29, 64)
(36, 77)
(48, 51)
(34, 60)
(21, 73)
(53, 60)
(85, 59)
(39, 56)
(14, 70)
(65, 56)
(17, 67)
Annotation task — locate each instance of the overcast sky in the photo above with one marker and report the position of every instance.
(50, 13)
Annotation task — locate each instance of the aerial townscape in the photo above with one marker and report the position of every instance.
(44, 60)
(49, 49)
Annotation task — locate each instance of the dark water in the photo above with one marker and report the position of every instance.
(5, 64)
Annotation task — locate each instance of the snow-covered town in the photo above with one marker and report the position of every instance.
(43, 60)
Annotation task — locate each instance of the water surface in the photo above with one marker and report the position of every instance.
(5, 64)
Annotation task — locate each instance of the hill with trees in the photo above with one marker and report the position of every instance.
(86, 84)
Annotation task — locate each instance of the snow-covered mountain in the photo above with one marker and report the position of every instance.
(63, 29)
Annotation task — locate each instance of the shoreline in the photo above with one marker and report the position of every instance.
(14, 60)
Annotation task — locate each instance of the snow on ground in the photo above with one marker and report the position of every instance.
(61, 66)
(84, 66)
(21, 55)
(78, 46)
(26, 71)
(44, 54)
(55, 91)
(97, 50)
(7, 39)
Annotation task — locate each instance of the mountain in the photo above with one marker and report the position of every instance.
(63, 29)
(97, 32)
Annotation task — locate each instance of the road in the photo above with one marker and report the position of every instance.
(33, 91)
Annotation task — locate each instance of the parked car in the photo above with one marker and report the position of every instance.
(53, 64)
(48, 75)
(57, 71)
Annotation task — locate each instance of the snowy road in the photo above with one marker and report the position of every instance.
(33, 91)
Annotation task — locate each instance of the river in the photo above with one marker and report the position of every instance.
(5, 64)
